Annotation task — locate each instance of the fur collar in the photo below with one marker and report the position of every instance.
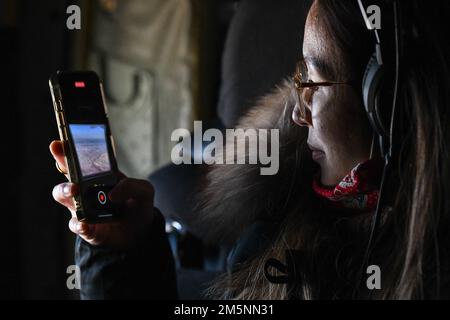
(235, 196)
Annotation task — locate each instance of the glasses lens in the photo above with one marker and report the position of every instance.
(299, 79)
(303, 71)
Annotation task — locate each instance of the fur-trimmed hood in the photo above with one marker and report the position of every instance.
(236, 195)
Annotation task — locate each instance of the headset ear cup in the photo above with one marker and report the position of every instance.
(372, 83)
(383, 109)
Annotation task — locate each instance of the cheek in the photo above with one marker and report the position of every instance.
(338, 122)
(327, 119)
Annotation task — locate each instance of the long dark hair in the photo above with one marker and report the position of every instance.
(411, 246)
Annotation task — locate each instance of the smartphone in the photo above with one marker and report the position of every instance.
(83, 126)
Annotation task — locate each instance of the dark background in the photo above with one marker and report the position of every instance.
(36, 249)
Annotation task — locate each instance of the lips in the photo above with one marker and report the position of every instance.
(316, 153)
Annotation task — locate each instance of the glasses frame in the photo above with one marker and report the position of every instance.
(300, 85)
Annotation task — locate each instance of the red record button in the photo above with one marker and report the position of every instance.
(101, 196)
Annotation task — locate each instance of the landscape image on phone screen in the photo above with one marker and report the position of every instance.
(91, 148)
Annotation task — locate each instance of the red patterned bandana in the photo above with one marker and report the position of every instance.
(358, 190)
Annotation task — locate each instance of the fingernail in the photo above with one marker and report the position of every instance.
(66, 190)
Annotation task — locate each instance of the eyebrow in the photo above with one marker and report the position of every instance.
(321, 66)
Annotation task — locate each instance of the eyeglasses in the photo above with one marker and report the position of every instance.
(305, 89)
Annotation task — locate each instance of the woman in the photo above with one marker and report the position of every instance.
(315, 224)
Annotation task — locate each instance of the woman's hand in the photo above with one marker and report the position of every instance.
(135, 196)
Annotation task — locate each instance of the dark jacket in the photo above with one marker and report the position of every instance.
(146, 271)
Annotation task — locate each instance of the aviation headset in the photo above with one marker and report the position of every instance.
(381, 115)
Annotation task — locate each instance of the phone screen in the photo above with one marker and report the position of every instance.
(91, 148)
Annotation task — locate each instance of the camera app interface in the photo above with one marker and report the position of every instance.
(91, 147)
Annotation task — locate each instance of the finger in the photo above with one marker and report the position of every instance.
(78, 227)
(57, 150)
(64, 193)
(128, 188)
(83, 229)
(73, 225)
(60, 169)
